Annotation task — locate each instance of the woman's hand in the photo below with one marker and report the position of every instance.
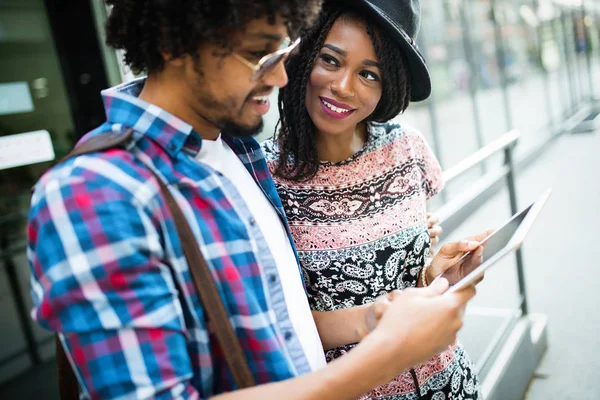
(451, 252)
(443, 260)
(435, 231)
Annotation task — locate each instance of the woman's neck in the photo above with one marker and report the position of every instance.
(339, 147)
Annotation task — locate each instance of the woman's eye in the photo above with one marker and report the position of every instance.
(329, 60)
(371, 76)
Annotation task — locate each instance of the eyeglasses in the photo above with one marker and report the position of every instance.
(270, 61)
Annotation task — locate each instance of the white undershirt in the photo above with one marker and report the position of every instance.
(219, 156)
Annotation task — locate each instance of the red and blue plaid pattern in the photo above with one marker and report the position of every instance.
(100, 243)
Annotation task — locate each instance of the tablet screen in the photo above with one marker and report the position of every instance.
(492, 245)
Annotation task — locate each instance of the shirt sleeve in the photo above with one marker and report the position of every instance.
(98, 279)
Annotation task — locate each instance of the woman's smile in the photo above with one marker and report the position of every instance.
(335, 109)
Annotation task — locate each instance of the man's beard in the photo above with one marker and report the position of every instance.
(231, 128)
(227, 124)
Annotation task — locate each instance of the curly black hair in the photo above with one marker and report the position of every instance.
(146, 29)
(298, 158)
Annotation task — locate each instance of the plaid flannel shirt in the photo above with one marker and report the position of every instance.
(100, 240)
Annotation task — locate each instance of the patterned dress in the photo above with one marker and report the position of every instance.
(360, 229)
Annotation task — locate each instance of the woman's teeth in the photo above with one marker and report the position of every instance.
(334, 108)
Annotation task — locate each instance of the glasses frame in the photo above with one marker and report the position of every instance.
(256, 68)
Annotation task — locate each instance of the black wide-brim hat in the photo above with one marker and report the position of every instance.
(401, 19)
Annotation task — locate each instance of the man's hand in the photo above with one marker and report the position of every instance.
(419, 323)
(435, 231)
(375, 311)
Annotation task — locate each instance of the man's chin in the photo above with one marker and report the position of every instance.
(232, 128)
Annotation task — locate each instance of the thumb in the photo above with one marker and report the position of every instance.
(451, 250)
(379, 308)
(437, 287)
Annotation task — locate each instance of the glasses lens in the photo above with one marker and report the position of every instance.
(272, 61)
(285, 44)
(269, 64)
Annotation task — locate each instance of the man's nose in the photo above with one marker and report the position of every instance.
(276, 77)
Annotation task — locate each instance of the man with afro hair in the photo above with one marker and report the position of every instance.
(108, 271)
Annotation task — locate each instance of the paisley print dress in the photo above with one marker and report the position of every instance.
(360, 230)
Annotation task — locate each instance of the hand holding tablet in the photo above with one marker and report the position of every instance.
(496, 244)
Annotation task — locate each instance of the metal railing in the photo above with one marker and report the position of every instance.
(455, 211)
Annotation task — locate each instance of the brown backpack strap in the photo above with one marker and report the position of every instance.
(100, 142)
(209, 294)
(203, 281)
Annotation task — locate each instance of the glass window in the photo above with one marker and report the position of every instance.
(33, 97)
(527, 83)
(442, 40)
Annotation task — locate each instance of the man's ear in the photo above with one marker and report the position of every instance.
(173, 61)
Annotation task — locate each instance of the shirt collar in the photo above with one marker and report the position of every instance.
(123, 106)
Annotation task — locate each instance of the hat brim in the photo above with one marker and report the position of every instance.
(420, 81)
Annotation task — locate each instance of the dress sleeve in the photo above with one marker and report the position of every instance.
(433, 181)
(270, 151)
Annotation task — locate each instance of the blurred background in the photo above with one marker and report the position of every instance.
(513, 111)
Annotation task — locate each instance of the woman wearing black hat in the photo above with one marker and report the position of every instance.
(354, 185)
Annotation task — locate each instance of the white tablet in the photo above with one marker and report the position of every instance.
(467, 270)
